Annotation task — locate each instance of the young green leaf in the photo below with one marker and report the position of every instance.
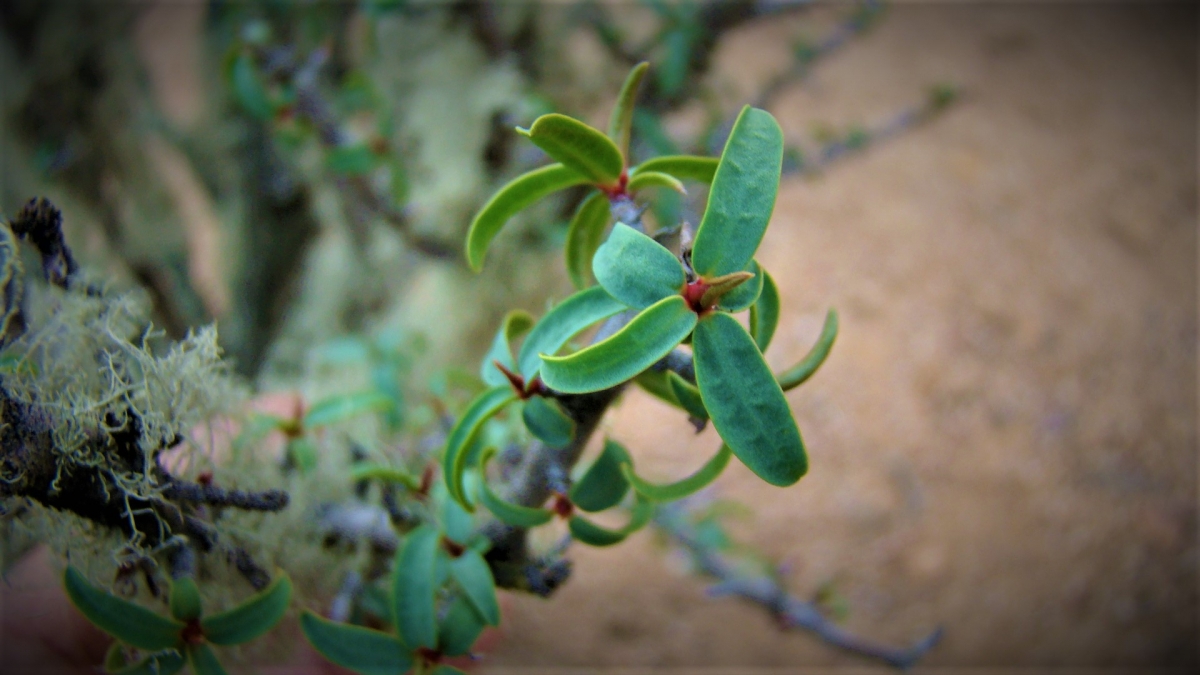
(132, 624)
(508, 513)
(583, 237)
(745, 402)
(203, 661)
(252, 618)
(592, 534)
(764, 314)
(799, 373)
(385, 474)
(515, 323)
(602, 486)
(746, 294)
(685, 167)
(184, 599)
(166, 662)
(510, 200)
(345, 406)
(546, 421)
(742, 195)
(636, 347)
(454, 460)
(472, 574)
(635, 269)
(621, 119)
(647, 179)
(414, 587)
(362, 650)
(578, 146)
(564, 321)
(459, 628)
(688, 396)
(685, 487)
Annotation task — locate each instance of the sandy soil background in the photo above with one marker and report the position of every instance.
(1004, 439)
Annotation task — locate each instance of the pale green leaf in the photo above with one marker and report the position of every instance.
(745, 294)
(684, 167)
(647, 179)
(635, 269)
(578, 146)
(583, 237)
(567, 319)
(458, 443)
(511, 199)
(621, 119)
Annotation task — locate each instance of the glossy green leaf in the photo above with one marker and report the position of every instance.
(621, 120)
(344, 407)
(764, 314)
(472, 574)
(742, 195)
(688, 396)
(583, 237)
(132, 624)
(184, 599)
(458, 443)
(635, 269)
(517, 195)
(746, 294)
(386, 474)
(592, 534)
(203, 660)
(515, 323)
(351, 160)
(362, 650)
(508, 513)
(576, 145)
(460, 628)
(745, 402)
(685, 487)
(567, 319)
(799, 373)
(414, 587)
(249, 90)
(166, 662)
(685, 167)
(647, 179)
(654, 382)
(634, 348)
(252, 618)
(547, 422)
(603, 485)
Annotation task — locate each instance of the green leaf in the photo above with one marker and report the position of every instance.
(457, 522)
(203, 661)
(444, 669)
(385, 474)
(685, 167)
(742, 195)
(184, 599)
(345, 406)
(744, 295)
(351, 160)
(474, 577)
(583, 237)
(578, 146)
(654, 382)
(252, 618)
(515, 323)
(647, 179)
(302, 453)
(249, 90)
(362, 650)
(522, 192)
(621, 119)
(166, 662)
(688, 396)
(563, 322)
(799, 373)
(764, 314)
(454, 460)
(685, 487)
(603, 485)
(132, 624)
(635, 269)
(459, 628)
(592, 534)
(745, 402)
(636, 347)
(672, 71)
(508, 513)
(414, 587)
(546, 420)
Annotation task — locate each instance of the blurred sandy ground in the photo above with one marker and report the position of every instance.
(1004, 438)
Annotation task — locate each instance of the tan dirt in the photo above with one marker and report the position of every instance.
(1003, 441)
